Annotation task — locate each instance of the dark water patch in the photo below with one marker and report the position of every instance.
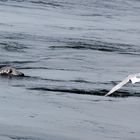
(13, 3)
(76, 91)
(44, 79)
(101, 46)
(18, 0)
(106, 15)
(46, 3)
(101, 100)
(11, 77)
(11, 0)
(19, 85)
(90, 82)
(14, 36)
(14, 137)
(101, 92)
(11, 46)
(81, 81)
(3, 0)
(39, 68)
(92, 15)
(12, 63)
(114, 5)
(47, 68)
(69, 28)
(19, 36)
(34, 137)
(6, 25)
(23, 138)
(124, 94)
(39, 3)
(85, 47)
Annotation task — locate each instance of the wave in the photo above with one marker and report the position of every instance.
(99, 92)
(11, 46)
(5, 63)
(47, 3)
(37, 2)
(16, 137)
(101, 46)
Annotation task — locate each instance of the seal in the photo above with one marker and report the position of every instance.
(10, 71)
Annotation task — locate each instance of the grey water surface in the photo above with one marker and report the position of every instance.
(72, 53)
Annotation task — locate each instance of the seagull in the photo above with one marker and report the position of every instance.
(10, 71)
(133, 78)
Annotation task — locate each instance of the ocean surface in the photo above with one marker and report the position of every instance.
(72, 53)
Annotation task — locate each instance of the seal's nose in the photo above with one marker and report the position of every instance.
(21, 74)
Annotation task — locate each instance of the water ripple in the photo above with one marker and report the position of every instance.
(101, 46)
(10, 46)
(101, 92)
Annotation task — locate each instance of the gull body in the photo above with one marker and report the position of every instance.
(10, 71)
(133, 78)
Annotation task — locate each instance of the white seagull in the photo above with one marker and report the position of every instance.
(133, 78)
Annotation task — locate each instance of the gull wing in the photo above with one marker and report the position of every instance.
(118, 86)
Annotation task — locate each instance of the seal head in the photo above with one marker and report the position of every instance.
(9, 71)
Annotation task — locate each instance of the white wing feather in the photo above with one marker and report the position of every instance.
(134, 78)
(118, 86)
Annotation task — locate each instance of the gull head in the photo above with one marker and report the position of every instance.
(134, 79)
